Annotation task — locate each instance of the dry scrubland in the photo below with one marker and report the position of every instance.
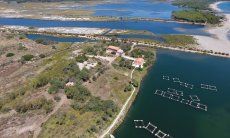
(34, 100)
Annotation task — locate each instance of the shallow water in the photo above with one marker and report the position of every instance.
(180, 120)
(225, 7)
(154, 27)
(135, 8)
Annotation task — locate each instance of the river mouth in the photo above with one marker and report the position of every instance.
(172, 117)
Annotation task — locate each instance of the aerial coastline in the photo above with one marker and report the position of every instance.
(76, 75)
(219, 42)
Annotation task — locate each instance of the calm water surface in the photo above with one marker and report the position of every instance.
(225, 7)
(174, 118)
(135, 8)
(155, 27)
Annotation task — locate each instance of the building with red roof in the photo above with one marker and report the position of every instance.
(138, 63)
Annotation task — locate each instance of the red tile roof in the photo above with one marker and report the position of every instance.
(139, 61)
(113, 48)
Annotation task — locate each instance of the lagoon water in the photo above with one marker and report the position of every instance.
(155, 27)
(174, 118)
(135, 8)
(225, 7)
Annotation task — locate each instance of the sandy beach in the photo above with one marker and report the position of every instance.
(219, 41)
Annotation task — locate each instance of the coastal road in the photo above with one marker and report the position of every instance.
(121, 113)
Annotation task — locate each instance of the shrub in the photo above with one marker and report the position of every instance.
(81, 58)
(40, 103)
(57, 98)
(9, 54)
(27, 57)
(42, 56)
(22, 37)
(135, 83)
(128, 88)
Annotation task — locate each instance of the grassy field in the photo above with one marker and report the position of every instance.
(178, 40)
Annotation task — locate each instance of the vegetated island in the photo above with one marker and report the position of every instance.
(196, 11)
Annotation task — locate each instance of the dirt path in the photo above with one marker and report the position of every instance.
(122, 111)
(37, 127)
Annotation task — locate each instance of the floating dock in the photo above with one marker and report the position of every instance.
(183, 84)
(151, 128)
(190, 86)
(194, 104)
(161, 134)
(166, 78)
(185, 101)
(167, 95)
(208, 87)
(176, 80)
(139, 123)
(175, 97)
(172, 91)
(194, 98)
(159, 92)
(213, 88)
(203, 107)
(180, 93)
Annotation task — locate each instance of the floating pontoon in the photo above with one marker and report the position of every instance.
(176, 80)
(165, 77)
(190, 86)
(172, 91)
(194, 98)
(167, 95)
(203, 107)
(158, 92)
(151, 128)
(175, 97)
(185, 101)
(183, 84)
(160, 134)
(194, 104)
(204, 86)
(180, 93)
(213, 88)
(139, 124)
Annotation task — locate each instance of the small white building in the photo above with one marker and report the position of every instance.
(138, 63)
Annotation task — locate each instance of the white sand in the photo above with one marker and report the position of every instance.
(73, 30)
(220, 41)
(67, 30)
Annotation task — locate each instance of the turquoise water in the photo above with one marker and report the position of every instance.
(174, 118)
(154, 27)
(55, 38)
(225, 7)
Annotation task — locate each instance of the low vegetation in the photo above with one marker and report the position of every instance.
(40, 103)
(27, 57)
(197, 11)
(196, 16)
(147, 54)
(194, 4)
(178, 40)
(9, 54)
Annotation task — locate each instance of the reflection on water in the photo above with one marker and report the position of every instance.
(172, 117)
